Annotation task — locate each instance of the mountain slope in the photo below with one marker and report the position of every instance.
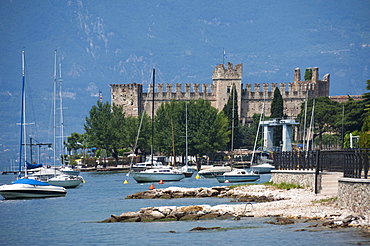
(105, 42)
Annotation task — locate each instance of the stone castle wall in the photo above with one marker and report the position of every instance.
(250, 98)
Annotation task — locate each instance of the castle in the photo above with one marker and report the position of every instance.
(250, 100)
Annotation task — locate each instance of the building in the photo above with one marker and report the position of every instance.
(250, 98)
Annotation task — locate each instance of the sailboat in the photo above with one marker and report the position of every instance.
(25, 187)
(52, 175)
(263, 166)
(186, 170)
(236, 175)
(65, 180)
(164, 173)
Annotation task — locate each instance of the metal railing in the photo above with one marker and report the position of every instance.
(354, 163)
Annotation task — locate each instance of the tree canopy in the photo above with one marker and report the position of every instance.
(105, 128)
(327, 115)
(277, 111)
(207, 129)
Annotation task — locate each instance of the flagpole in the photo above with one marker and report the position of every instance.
(223, 57)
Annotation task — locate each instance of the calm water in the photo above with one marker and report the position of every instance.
(72, 220)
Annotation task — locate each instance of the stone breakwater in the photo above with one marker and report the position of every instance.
(217, 191)
(253, 201)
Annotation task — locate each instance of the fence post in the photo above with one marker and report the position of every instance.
(366, 163)
(317, 171)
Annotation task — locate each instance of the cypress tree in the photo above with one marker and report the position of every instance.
(277, 111)
(308, 74)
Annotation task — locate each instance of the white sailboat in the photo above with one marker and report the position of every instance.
(263, 167)
(186, 170)
(65, 180)
(53, 175)
(25, 187)
(236, 175)
(156, 174)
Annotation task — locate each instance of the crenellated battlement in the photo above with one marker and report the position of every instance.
(250, 97)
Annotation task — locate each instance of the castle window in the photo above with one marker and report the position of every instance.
(228, 89)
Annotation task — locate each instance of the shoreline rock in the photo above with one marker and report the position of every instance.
(272, 202)
(217, 191)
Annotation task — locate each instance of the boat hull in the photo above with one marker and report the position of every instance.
(66, 182)
(237, 178)
(19, 191)
(214, 171)
(142, 177)
(263, 168)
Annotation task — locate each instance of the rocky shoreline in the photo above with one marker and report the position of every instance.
(285, 206)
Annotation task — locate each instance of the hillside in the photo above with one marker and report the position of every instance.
(105, 42)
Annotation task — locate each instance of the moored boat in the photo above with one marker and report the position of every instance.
(24, 187)
(263, 168)
(238, 175)
(157, 174)
(213, 171)
(30, 188)
(69, 170)
(66, 181)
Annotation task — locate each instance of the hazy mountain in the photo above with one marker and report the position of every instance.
(104, 42)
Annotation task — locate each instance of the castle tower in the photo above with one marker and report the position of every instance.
(297, 74)
(315, 74)
(223, 81)
(129, 96)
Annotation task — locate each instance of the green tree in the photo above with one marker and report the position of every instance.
(138, 132)
(364, 141)
(308, 74)
(353, 117)
(277, 111)
(170, 128)
(105, 128)
(74, 142)
(209, 129)
(327, 115)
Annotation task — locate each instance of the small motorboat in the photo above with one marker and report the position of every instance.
(263, 168)
(69, 170)
(238, 175)
(214, 171)
(30, 188)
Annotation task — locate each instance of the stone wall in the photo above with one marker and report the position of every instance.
(250, 98)
(354, 194)
(303, 178)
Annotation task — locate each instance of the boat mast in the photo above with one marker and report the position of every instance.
(232, 126)
(186, 135)
(54, 108)
(312, 122)
(22, 115)
(152, 149)
(305, 119)
(258, 129)
(61, 114)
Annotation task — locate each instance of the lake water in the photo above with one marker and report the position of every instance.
(73, 219)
